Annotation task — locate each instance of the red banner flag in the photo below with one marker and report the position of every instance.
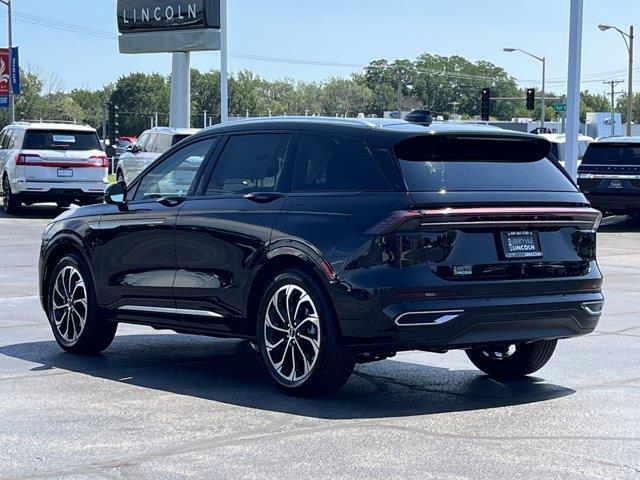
(5, 78)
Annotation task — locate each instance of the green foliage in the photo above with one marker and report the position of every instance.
(443, 84)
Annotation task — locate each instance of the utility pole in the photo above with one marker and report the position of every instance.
(399, 99)
(613, 84)
(104, 123)
(224, 51)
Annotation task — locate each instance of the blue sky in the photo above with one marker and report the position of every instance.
(340, 31)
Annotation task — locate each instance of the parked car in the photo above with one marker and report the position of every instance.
(149, 146)
(329, 242)
(609, 175)
(122, 143)
(558, 141)
(51, 162)
(421, 117)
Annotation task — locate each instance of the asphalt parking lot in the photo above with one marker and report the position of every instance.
(160, 405)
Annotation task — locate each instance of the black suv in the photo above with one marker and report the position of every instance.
(609, 175)
(331, 242)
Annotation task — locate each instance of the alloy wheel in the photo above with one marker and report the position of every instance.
(292, 333)
(69, 304)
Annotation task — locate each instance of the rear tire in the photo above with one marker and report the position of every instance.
(78, 324)
(526, 359)
(10, 202)
(299, 337)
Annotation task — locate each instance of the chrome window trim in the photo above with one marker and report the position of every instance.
(173, 310)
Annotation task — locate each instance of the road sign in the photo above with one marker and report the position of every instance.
(15, 71)
(5, 70)
(560, 107)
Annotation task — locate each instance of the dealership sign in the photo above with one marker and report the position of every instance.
(148, 26)
(148, 15)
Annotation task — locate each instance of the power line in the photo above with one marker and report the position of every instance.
(107, 35)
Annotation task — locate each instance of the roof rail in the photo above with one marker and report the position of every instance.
(43, 120)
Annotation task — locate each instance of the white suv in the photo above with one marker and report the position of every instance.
(51, 162)
(150, 145)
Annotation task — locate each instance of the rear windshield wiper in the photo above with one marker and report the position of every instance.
(58, 147)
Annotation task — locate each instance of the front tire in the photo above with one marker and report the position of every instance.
(523, 360)
(299, 337)
(10, 202)
(78, 325)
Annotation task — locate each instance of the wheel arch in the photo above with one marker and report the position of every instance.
(278, 260)
(61, 245)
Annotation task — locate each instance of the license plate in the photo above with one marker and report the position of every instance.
(521, 244)
(615, 184)
(65, 172)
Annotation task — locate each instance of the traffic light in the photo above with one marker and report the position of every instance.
(114, 122)
(531, 98)
(485, 104)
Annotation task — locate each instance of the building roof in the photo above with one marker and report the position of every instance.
(618, 139)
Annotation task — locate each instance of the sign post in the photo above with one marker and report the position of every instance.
(573, 88)
(173, 26)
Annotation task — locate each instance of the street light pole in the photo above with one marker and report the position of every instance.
(630, 88)
(544, 66)
(628, 40)
(12, 107)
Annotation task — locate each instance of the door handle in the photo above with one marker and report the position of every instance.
(263, 197)
(171, 201)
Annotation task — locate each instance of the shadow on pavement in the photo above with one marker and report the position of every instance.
(229, 371)
(43, 212)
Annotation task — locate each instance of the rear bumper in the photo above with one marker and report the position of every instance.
(446, 324)
(81, 192)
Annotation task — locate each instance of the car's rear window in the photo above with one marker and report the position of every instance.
(612, 154)
(467, 163)
(61, 140)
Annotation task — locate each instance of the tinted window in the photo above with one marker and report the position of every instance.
(612, 154)
(3, 139)
(554, 153)
(174, 176)
(485, 164)
(250, 163)
(328, 163)
(179, 138)
(61, 140)
(163, 143)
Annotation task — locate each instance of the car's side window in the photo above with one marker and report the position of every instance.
(142, 141)
(334, 163)
(174, 176)
(11, 138)
(151, 142)
(250, 163)
(3, 140)
(163, 143)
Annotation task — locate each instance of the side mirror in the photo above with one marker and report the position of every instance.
(116, 194)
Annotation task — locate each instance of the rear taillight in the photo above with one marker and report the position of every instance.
(450, 218)
(27, 158)
(99, 161)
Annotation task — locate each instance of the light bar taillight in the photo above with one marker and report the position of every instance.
(98, 161)
(27, 158)
(34, 160)
(487, 217)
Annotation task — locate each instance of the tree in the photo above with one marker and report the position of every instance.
(138, 97)
(635, 110)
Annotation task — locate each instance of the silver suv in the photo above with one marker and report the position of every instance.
(150, 145)
(51, 162)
